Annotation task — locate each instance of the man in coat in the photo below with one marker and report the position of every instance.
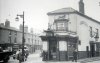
(75, 55)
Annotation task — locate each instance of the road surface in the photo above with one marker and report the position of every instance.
(35, 58)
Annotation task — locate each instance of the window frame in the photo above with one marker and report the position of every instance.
(63, 27)
(91, 32)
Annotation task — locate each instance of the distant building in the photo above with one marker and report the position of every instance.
(12, 37)
(2, 25)
(25, 28)
(68, 30)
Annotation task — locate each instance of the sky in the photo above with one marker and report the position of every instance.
(36, 11)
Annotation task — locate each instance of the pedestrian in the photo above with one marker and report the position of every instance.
(26, 53)
(44, 56)
(75, 55)
(20, 57)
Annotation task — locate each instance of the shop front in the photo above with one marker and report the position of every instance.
(58, 48)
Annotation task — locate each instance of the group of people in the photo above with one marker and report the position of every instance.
(20, 55)
(44, 54)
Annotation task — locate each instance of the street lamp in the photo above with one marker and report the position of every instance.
(23, 39)
(10, 40)
(32, 42)
(49, 33)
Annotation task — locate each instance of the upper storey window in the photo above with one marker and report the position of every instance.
(97, 34)
(61, 24)
(91, 33)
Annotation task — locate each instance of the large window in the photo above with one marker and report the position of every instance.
(61, 25)
(97, 33)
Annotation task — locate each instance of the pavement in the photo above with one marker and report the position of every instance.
(35, 58)
(90, 60)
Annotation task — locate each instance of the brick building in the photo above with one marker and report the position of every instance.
(12, 37)
(70, 29)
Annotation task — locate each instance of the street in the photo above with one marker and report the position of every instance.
(32, 58)
(35, 58)
(94, 62)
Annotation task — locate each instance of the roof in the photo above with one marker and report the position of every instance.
(62, 10)
(9, 28)
(12, 29)
(70, 10)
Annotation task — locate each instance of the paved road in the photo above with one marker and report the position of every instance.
(35, 58)
(94, 62)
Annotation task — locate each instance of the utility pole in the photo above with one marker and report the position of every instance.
(23, 39)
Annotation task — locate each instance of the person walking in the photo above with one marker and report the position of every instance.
(75, 55)
(20, 56)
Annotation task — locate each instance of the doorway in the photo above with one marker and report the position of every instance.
(92, 49)
(71, 48)
(52, 50)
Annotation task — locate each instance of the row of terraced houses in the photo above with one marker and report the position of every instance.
(11, 38)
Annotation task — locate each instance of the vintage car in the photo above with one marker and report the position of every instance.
(5, 55)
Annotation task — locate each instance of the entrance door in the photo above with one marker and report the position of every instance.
(52, 50)
(87, 50)
(92, 49)
(71, 47)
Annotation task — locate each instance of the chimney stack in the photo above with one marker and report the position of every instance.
(81, 7)
(7, 23)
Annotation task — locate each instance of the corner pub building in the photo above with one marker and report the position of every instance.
(69, 29)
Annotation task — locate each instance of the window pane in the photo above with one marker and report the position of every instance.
(61, 26)
(90, 31)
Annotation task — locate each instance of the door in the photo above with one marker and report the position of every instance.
(71, 48)
(92, 49)
(87, 50)
(52, 50)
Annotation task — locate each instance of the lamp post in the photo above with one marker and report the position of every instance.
(32, 40)
(23, 39)
(49, 33)
(10, 41)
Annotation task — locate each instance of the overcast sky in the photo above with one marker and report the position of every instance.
(36, 11)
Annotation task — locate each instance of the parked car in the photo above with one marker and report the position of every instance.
(4, 55)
